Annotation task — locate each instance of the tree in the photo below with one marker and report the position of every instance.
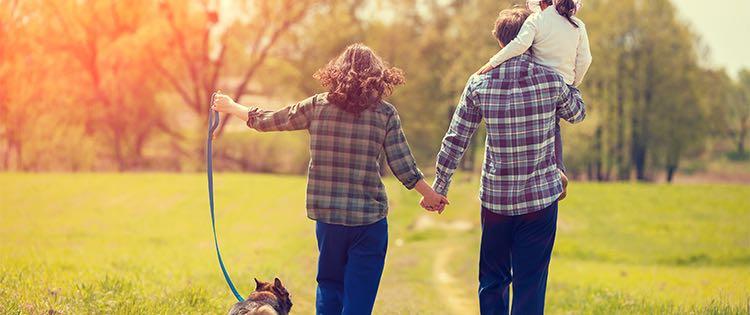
(117, 91)
(643, 85)
(738, 117)
(14, 115)
(204, 61)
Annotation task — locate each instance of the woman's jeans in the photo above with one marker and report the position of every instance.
(349, 267)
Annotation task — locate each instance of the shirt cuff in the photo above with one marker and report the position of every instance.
(441, 185)
(413, 179)
(252, 115)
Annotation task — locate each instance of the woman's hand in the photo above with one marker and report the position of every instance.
(225, 104)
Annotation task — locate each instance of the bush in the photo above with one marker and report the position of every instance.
(280, 153)
(738, 156)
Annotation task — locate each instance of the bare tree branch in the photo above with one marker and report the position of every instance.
(263, 54)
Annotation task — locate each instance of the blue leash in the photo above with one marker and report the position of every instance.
(213, 123)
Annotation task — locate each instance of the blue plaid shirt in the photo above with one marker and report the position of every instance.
(520, 102)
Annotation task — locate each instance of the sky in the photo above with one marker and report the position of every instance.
(724, 26)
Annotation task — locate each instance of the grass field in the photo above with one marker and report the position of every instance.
(142, 244)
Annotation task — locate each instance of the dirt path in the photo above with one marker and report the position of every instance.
(451, 291)
(459, 301)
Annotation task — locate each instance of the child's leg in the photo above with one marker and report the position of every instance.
(559, 159)
(559, 148)
(333, 244)
(364, 267)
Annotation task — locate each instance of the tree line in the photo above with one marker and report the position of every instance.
(122, 86)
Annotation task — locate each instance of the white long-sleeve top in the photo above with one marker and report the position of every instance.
(556, 44)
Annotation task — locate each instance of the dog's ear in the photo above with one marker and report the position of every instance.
(258, 284)
(279, 286)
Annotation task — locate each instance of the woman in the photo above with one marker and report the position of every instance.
(350, 128)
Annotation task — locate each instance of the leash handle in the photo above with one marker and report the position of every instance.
(213, 123)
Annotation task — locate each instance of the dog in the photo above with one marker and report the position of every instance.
(267, 299)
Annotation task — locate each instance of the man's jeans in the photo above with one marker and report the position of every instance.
(517, 250)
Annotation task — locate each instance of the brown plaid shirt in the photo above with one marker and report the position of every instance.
(344, 185)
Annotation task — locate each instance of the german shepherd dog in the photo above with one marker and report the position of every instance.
(267, 299)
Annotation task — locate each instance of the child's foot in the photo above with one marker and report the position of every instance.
(565, 186)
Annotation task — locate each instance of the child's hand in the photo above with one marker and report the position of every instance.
(486, 68)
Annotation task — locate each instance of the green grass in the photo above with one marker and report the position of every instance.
(141, 243)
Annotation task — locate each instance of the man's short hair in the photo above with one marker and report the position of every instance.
(509, 23)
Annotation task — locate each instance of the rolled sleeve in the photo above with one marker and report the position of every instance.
(570, 105)
(399, 156)
(465, 121)
(294, 117)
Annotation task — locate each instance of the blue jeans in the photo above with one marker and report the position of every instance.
(559, 148)
(349, 267)
(517, 250)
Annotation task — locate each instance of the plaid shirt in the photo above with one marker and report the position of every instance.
(344, 185)
(520, 102)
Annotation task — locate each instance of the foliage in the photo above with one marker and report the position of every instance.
(129, 83)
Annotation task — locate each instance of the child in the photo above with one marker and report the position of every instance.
(350, 128)
(559, 41)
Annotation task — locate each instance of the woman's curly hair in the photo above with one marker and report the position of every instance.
(358, 79)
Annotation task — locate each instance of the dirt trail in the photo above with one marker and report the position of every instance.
(459, 301)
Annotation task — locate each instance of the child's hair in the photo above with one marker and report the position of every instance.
(358, 79)
(566, 8)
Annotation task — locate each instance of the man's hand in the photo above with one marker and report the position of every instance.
(486, 68)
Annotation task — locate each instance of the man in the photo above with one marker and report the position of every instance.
(520, 102)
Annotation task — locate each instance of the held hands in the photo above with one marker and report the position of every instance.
(434, 202)
(431, 200)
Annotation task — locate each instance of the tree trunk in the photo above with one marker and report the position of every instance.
(6, 157)
(19, 156)
(639, 158)
(671, 169)
(596, 173)
(121, 164)
(741, 142)
(673, 162)
(621, 163)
